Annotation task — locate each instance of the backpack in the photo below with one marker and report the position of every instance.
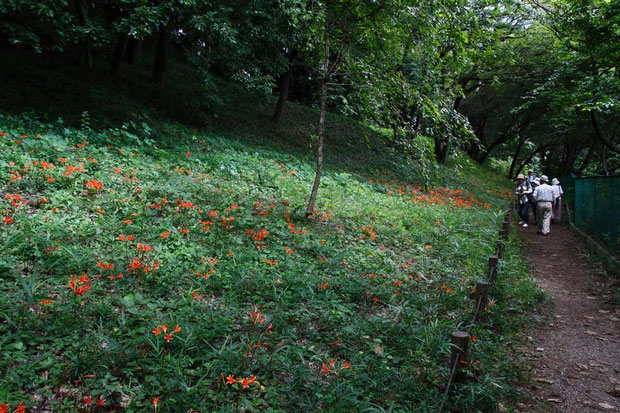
(530, 197)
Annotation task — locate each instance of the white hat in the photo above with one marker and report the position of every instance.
(544, 178)
(555, 181)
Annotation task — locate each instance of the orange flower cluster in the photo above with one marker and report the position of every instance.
(158, 204)
(122, 237)
(435, 196)
(256, 317)
(323, 218)
(15, 175)
(245, 383)
(137, 263)
(257, 236)
(330, 367)
(260, 209)
(270, 262)
(79, 285)
(164, 329)
(185, 204)
(370, 232)
(70, 170)
(4, 408)
(291, 226)
(44, 165)
(89, 399)
(105, 266)
(206, 225)
(94, 184)
(144, 247)
(16, 200)
(210, 261)
(206, 274)
(225, 221)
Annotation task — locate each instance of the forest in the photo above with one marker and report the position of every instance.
(507, 82)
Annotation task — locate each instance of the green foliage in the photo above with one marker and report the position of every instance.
(377, 278)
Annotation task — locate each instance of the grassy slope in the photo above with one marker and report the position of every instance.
(385, 304)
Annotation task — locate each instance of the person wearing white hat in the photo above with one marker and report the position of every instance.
(557, 201)
(543, 194)
(523, 190)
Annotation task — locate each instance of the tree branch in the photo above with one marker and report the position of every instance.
(600, 135)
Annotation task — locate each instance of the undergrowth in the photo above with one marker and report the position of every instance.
(155, 266)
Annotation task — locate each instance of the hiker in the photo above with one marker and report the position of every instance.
(543, 194)
(523, 203)
(557, 199)
(533, 183)
(531, 176)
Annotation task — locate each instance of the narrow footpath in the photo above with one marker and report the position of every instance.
(576, 354)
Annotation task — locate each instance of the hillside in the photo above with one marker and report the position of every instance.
(151, 264)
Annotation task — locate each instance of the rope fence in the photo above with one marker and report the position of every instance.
(460, 339)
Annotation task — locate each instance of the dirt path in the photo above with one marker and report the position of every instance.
(577, 354)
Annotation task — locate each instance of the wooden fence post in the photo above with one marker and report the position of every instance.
(493, 268)
(482, 289)
(460, 347)
(500, 248)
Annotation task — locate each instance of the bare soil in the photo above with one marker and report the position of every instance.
(576, 354)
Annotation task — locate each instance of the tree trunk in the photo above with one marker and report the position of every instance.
(441, 143)
(571, 152)
(161, 57)
(119, 51)
(587, 159)
(513, 163)
(132, 52)
(601, 135)
(84, 56)
(530, 156)
(441, 150)
(321, 131)
(284, 84)
(476, 149)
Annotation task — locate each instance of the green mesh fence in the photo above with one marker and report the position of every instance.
(568, 186)
(596, 208)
